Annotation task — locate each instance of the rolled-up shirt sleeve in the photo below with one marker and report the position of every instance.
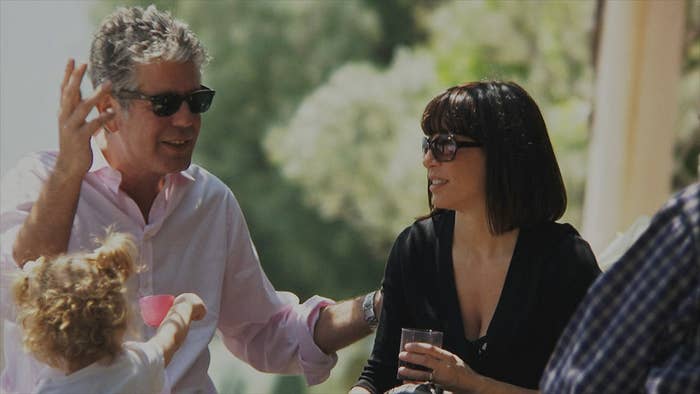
(270, 330)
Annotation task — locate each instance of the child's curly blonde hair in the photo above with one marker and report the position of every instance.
(73, 308)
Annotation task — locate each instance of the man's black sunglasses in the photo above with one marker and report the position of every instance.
(444, 146)
(166, 104)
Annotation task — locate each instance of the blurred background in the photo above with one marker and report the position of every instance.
(315, 125)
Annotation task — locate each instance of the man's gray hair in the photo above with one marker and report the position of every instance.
(131, 36)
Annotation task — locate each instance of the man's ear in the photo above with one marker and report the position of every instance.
(108, 104)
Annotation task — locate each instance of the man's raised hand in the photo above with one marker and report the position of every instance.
(74, 129)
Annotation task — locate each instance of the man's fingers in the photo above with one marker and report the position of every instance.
(91, 127)
(76, 117)
(64, 111)
(102, 90)
(70, 96)
(66, 74)
(82, 110)
(72, 87)
(71, 93)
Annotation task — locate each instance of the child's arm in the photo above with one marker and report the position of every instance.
(173, 330)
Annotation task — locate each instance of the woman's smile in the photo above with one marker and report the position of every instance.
(436, 183)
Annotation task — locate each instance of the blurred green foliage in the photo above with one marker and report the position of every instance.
(687, 146)
(364, 123)
(287, 384)
(315, 126)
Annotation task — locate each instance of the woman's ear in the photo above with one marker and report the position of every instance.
(108, 104)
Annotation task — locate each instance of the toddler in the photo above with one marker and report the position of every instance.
(73, 312)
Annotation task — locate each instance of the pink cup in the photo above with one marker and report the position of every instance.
(155, 307)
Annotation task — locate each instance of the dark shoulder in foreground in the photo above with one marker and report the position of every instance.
(686, 204)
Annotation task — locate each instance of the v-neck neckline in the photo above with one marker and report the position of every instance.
(503, 315)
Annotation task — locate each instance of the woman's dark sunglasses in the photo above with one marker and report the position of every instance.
(166, 104)
(444, 146)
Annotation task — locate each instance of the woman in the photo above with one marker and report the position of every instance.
(489, 266)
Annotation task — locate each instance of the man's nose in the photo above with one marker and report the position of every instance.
(184, 117)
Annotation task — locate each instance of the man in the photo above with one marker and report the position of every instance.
(136, 176)
(638, 328)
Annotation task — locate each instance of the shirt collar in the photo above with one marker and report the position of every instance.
(113, 178)
(98, 159)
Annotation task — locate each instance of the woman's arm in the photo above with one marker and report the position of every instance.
(450, 372)
(379, 372)
(174, 328)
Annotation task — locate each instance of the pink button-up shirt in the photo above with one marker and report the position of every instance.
(195, 240)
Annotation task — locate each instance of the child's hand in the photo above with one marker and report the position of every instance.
(174, 328)
(199, 310)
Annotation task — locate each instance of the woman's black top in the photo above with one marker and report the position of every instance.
(549, 273)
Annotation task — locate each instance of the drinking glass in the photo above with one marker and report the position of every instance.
(409, 335)
(155, 307)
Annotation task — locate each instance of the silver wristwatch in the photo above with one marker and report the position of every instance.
(368, 309)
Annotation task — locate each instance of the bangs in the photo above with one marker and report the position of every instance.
(454, 111)
(523, 183)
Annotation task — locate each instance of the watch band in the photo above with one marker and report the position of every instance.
(368, 310)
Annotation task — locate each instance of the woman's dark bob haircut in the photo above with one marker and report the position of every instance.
(524, 187)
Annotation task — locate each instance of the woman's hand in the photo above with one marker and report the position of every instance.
(448, 370)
